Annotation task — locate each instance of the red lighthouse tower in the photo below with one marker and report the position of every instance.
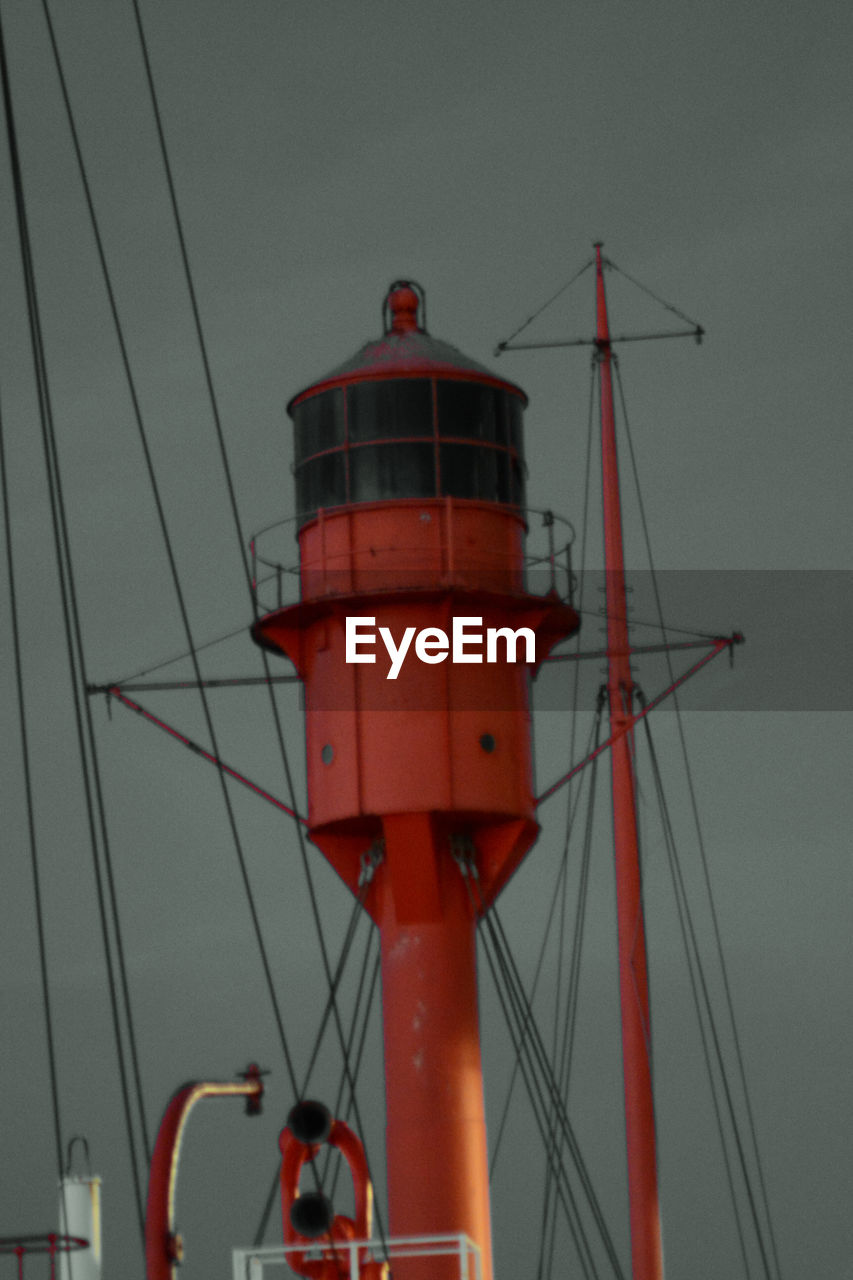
(410, 495)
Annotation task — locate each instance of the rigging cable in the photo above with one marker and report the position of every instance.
(161, 515)
(72, 629)
(182, 656)
(349, 938)
(555, 896)
(369, 864)
(563, 1054)
(552, 657)
(522, 1030)
(562, 881)
(241, 546)
(657, 626)
(564, 1189)
(645, 289)
(569, 808)
(694, 968)
(532, 1057)
(539, 1056)
(553, 298)
(266, 1213)
(372, 988)
(701, 844)
(25, 765)
(177, 686)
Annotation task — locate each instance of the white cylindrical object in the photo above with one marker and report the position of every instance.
(80, 1215)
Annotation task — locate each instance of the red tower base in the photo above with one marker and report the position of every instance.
(436, 1135)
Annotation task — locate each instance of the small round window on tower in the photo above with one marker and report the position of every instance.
(327, 754)
(488, 743)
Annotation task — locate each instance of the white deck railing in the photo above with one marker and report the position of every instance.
(252, 1264)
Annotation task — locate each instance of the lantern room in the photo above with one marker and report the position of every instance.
(410, 509)
(407, 417)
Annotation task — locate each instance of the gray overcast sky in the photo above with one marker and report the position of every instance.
(320, 151)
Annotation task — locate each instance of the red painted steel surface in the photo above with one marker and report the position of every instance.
(377, 746)
(646, 1259)
(436, 1136)
(412, 542)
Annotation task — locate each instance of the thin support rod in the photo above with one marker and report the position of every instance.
(709, 643)
(160, 686)
(116, 693)
(696, 333)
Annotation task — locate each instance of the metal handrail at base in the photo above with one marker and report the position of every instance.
(251, 1264)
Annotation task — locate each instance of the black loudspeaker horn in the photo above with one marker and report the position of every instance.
(310, 1122)
(311, 1214)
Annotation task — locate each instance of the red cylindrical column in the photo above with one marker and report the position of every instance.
(438, 1173)
(646, 1255)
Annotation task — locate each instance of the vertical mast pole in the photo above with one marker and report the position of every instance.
(646, 1259)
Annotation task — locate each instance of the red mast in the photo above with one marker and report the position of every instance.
(646, 1259)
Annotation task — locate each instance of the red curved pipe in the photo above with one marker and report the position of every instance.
(163, 1246)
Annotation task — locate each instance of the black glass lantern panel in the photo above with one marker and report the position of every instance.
(471, 472)
(379, 472)
(389, 409)
(501, 417)
(321, 482)
(517, 486)
(469, 410)
(318, 424)
(516, 421)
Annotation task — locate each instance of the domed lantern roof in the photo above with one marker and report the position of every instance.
(407, 417)
(406, 350)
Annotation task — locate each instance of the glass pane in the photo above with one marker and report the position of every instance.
(501, 417)
(504, 476)
(516, 420)
(318, 423)
(380, 471)
(457, 473)
(321, 483)
(467, 409)
(388, 410)
(491, 475)
(471, 472)
(518, 491)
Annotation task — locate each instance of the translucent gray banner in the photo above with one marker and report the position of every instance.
(796, 656)
(796, 653)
